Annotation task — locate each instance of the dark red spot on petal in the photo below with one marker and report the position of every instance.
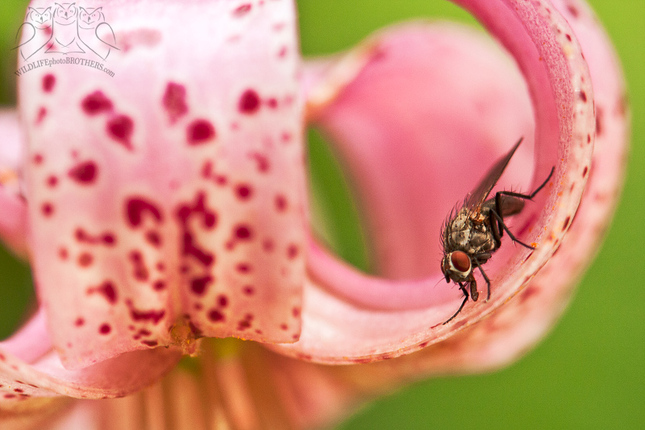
(286, 137)
(599, 121)
(222, 300)
(141, 333)
(215, 316)
(244, 191)
(248, 290)
(573, 11)
(85, 259)
(105, 329)
(243, 267)
(199, 285)
(137, 206)
(107, 290)
(42, 113)
(207, 169)
(243, 325)
(280, 203)
(174, 100)
(262, 161)
(47, 209)
(84, 173)
(120, 128)
(249, 102)
(243, 232)
(242, 10)
(153, 238)
(82, 236)
(49, 81)
(79, 322)
(150, 343)
(268, 245)
(37, 159)
(96, 103)
(200, 131)
(190, 248)
(159, 285)
(109, 239)
(63, 254)
(292, 251)
(140, 270)
(52, 181)
(209, 220)
(138, 315)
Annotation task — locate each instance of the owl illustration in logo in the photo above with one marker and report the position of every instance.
(95, 33)
(65, 29)
(36, 31)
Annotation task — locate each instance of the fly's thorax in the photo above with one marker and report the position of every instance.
(481, 239)
(458, 231)
(471, 232)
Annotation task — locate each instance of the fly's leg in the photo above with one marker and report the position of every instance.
(533, 194)
(485, 278)
(499, 227)
(502, 227)
(474, 294)
(463, 290)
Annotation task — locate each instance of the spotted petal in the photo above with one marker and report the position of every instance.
(388, 107)
(165, 194)
(31, 370)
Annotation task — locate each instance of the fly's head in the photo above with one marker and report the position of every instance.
(456, 266)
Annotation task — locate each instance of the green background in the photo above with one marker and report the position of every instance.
(589, 373)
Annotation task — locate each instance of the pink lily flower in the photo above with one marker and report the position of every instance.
(163, 208)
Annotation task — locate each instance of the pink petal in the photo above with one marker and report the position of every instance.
(350, 317)
(168, 200)
(13, 224)
(30, 368)
(307, 394)
(512, 330)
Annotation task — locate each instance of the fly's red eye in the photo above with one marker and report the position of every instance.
(460, 261)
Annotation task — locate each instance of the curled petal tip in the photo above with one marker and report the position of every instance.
(373, 133)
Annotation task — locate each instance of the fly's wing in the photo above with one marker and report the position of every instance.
(477, 197)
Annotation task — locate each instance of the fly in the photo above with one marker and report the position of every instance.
(474, 232)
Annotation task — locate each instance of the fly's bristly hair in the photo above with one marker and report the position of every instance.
(451, 216)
